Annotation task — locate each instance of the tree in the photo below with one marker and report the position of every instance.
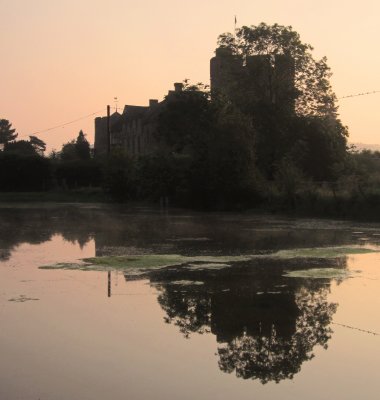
(38, 144)
(213, 144)
(20, 147)
(303, 128)
(7, 134)
(78, 149)
(82, 146)
(314, 94)
(68, 151)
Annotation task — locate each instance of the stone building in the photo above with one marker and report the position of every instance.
(134, 129)
(265, 79)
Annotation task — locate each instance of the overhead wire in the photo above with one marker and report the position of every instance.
(359, 94)
(67, 123)
(119, 108)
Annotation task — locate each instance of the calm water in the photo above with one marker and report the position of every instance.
(245, 331)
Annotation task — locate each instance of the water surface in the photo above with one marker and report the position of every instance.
(201, 330)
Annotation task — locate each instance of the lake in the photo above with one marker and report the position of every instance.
(184, 305)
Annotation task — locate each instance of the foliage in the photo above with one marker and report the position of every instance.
(212, 150)
(82, 146)
(38, 144)
(78, 149)
(76, 173)
(314, 93)
(312, 139)
(163, 175)
(119, 176)
(20, 172)
(21, 147)
(186, 118)
(7, 134)
(68, 151)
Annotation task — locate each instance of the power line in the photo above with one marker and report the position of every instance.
(67, 123)
(97, 112)
(360, 94)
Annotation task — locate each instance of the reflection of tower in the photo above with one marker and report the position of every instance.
(266, 326)
(236, 311)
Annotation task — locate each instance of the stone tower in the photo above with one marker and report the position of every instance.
(260, 79)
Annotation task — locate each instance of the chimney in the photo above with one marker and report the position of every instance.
(153, 103)
(178, 86)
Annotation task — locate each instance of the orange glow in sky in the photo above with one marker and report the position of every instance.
(61, 60)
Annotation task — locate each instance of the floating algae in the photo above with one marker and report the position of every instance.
(22, 299)
(322, 252)
(319, 273)
(141, 262)
(133, 263)
(204, 266)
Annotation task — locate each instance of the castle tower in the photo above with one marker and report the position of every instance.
(260, 78)
(285, 91)
(257, 79)
(224, 68)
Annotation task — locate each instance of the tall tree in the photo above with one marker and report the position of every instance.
(68, 151)
(7, 134)
(20, 147)
(307, 131)
(38, 144)
(312, 77)
(82, 146)
(78, 149)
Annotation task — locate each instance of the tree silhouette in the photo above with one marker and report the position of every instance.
(312, 77)
(7, 134)
(82, 146)
(38, 144)
(270, 357)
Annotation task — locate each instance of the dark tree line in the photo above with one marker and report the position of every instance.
(24, 167)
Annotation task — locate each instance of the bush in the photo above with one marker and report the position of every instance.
(20, 173)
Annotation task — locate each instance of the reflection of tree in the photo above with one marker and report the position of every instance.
(266, 325)
(35, 226)
(190, 314)
(274, 358)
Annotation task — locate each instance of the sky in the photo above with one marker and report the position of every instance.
(62, 60)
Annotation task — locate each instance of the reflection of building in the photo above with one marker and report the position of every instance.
(262, 78)
(254, 314)
(266, 325)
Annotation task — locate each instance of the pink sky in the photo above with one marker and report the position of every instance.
(61, 60)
